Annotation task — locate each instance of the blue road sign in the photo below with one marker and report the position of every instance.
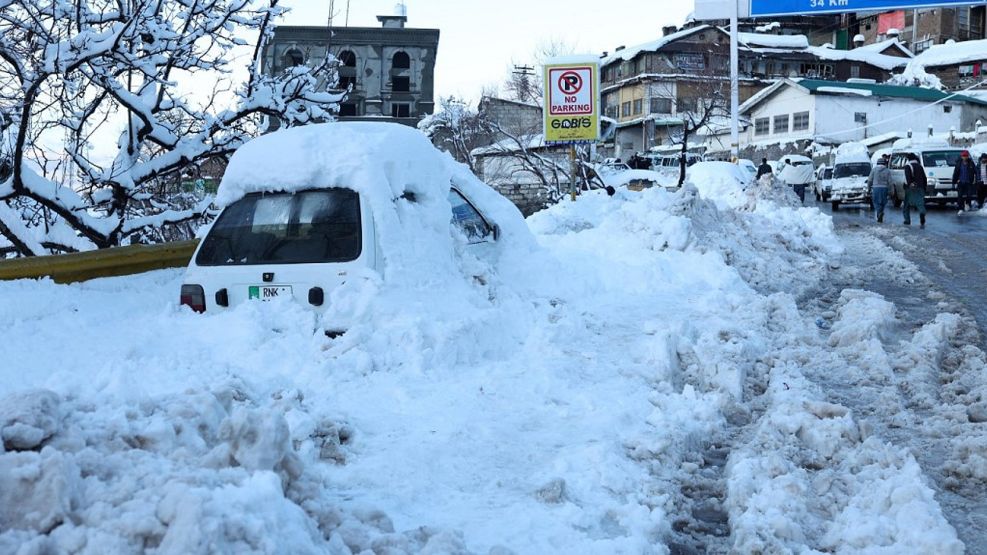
(762, 8)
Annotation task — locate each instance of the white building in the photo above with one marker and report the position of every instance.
(837, 112)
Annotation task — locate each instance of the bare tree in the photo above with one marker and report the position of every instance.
(70, 70)
(700, 102)
(524, 81)
(457, 129)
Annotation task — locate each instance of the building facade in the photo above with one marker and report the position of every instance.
(650, 89)
(832, 112)
(390, 68)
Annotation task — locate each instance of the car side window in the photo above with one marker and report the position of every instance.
(468, 220)
(898, 161)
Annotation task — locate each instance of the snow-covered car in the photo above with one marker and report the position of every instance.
(307, 209)
(748, 165)
(849, 184)
(798, 171)
(822, 186)
(938, 159)
(637, 180)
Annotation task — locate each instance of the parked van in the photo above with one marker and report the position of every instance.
(307, 209)
(938, 159)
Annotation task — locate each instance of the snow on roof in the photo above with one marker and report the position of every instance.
(774, 41)
(626, 54)
(844, 90)
(509, 144)
(862, 54)
(882, 138)
(885, 44)
(951, 54)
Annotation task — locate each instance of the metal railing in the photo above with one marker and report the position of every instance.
(82, 266)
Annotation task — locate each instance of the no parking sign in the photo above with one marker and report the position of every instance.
(572, 100)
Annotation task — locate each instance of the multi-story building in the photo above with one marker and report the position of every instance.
(924, 27)
(390, 68)
(650, 89)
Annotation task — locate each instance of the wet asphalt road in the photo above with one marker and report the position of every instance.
(951, 251)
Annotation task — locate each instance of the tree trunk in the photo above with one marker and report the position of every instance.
(685, 150)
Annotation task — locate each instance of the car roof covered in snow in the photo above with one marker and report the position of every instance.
(382, 162)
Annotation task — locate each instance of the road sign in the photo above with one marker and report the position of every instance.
(763, 8)
(572, 100)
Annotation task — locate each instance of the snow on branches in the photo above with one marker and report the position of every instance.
(72, 70)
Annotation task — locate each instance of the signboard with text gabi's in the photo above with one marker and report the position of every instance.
(572, 100)
(761, 8)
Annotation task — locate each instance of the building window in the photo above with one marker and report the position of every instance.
(661, 105)
(687, 104)
(401, 84)
(293, 57)
(761, 126)
(854, 72)
(347, 58)
(347, 109)
(346, 80)
(800, 121)
(947, 109)
(922, 45)
(781, 124)
(400, 110)
(968, 70)
(625, 109)
(401, 60)
(611, 111)
(638, 106)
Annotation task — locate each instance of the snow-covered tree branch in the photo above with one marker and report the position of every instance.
(78, 74)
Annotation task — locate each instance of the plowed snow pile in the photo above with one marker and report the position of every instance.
(545, 407)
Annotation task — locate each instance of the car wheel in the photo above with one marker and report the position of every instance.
(836, 205)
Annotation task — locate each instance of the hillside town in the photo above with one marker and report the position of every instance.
(274, 280)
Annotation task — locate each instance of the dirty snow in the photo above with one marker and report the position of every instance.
(552, 407)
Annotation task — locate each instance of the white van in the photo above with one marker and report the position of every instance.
(308, 208)
(938, 159)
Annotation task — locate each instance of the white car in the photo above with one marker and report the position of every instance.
(308, 208)
(849, 184)
(799, 170)
(748, 165)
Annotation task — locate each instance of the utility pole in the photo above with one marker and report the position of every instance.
(734, 83)
(524, 74)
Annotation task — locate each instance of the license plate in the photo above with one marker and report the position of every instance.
(268, 292)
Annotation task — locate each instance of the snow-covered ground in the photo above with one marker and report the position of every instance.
(561, 405)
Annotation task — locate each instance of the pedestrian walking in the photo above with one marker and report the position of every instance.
(965, 180)
(764, 168)
(982, 181)
(915, 184)
(880, 181)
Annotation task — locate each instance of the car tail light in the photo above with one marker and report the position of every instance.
(194, 297)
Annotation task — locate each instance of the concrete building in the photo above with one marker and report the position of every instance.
(797, 112)
(923, 28)
(650, 88)
(391, 68)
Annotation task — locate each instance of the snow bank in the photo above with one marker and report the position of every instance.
(551, 404)
(721, 182)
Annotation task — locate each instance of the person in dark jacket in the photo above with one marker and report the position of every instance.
(965, 180)
(764, 168)
(982, 180)
(915, 184)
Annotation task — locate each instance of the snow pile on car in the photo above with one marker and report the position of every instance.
(849, 153)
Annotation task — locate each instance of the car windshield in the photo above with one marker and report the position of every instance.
(828, 173)
(283, 228)
(940, 158)
(851, 170)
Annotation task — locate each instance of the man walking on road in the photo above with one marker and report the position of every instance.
(915, 183)
(965, 180)
(764, 168)
(880, 180)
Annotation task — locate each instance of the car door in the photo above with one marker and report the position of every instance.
(479, 232)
